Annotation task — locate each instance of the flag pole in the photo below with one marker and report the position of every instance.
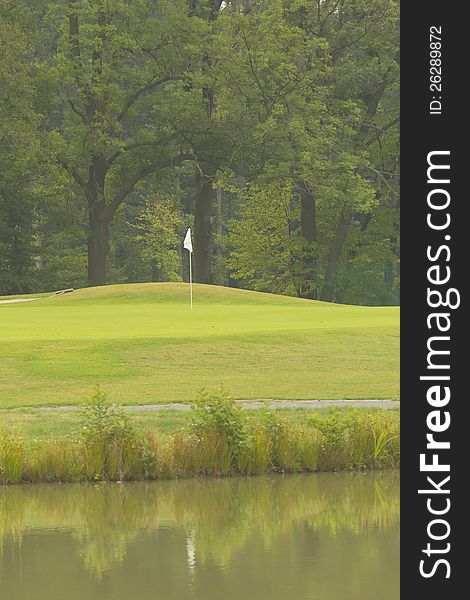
(188, 245)
(190, 281)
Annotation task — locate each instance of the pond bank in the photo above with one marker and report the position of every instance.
(217, 439)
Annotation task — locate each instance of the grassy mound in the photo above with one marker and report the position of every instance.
(142, 344)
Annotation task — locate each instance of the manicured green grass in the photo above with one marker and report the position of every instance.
(143, 345)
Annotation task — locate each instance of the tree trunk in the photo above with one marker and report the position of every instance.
(98, 223)
(204, 198)
(308, 221)
(218, 222)
(98, 236)
(218, 273)
(308, 228)
(335, 251)
(203, 217)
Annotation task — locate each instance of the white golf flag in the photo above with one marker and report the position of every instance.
(188, 245)
(187, 241)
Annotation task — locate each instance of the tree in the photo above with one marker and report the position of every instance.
(363, 42)
(318, 113)
(263, 239)
(18, 158)
(160, 229)
(280, 78)
(113, 65)
(109, 103)
(199, 123)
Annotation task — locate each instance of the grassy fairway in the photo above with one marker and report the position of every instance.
(142, 344)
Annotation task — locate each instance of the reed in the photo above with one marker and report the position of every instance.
(11, 458)
(55, 460)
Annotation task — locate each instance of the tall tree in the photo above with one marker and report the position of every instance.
(363, 43)
(296, 101)
(18, 156)
(313, 83)
(281, 78)
(113, 66)
(202, 126)
(319, 125)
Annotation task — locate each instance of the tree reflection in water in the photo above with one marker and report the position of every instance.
(217, 515)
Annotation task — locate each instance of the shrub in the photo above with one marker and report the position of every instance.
(283, 440)
(104, 419)
(112, 449)
(217, 414)
(213, 453)
(355, 439)
(186, 459)
(221, 440)
(309, 447)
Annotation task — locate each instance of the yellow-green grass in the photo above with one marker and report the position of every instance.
(143, 345)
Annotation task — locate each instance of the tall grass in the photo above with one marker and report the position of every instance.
(357, 439)
(221, 441)
(55, 460)
(11, 458)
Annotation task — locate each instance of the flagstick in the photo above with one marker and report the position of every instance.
(188, 245)
(190, 281)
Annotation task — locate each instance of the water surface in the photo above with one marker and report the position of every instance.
(305, 537)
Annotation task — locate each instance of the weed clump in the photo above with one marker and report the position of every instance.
(218, 427)
(111, 447)
(357, 439)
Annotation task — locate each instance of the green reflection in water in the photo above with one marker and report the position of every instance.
(321, 537)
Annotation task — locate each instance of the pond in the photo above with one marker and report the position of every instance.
(327, 536)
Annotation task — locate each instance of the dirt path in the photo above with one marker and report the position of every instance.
(13, 300)
(58, 293)
(311, 404)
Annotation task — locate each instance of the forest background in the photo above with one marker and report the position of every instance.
(271, 128)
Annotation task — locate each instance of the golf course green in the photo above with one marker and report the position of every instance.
(143, 345)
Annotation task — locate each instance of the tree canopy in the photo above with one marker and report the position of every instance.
(269, 127)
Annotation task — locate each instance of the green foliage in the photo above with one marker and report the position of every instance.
(262, 239)
(18, 157)
(55, 460)
(160, 230)
(219, 441)
(112, 450)
(103, 419)
(358, 439)
(216, 413)
(254, 457)
(292, 446)
(339, 143)
(282, 98)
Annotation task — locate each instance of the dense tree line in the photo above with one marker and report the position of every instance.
(268, 126)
